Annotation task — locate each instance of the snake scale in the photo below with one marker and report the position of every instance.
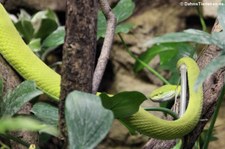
(30, 67)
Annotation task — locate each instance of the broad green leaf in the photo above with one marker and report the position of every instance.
(132, 131)
(221, 12)
(151, 53)
(220, 36)
(123, 28)
(46, 28)
(212, 67)
(55, 39)
(25, 123)
(26, 29)
(170, 63)
(46, 113)
(123, 10)
(45, 14)
(190, 35)
(50, 14)
(87, 120)
(169, 53)
(101, 25)
(51, 42)
(167, 56)
(35, 44)
(13, 101)
(23, 15)
(123, 104)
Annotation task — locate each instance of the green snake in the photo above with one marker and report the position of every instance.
(30, 67)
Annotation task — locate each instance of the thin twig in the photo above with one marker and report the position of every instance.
(107, 45)
(165, 110)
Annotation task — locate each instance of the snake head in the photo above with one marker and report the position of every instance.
(165, 93)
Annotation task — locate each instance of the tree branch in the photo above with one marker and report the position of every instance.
(107, 45)
(212, 87)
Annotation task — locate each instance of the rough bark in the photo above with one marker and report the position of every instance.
(11, 80)
(211, 89)
(79, 51)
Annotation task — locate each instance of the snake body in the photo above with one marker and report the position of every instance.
(29, 66)
(23, 60)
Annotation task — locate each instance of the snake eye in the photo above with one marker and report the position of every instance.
(164, 96)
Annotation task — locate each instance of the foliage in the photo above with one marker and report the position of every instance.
(12, 103)
(41, 108)
(14, 100)
(166, 46)
(123, 104)
(25, 123)
(169, 54)
(87, 120)
(42, 31)
(190, 35)
(86, 117)
(122, 11)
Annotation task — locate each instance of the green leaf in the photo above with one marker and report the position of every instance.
(169, 54)
(25, 123)
(101, 25)
(220, 36)
(212, 67)
(123, 28)
(151, 53)
(123, 10)
(35, 44)
(13, 101)
(55, 39)
(46, 113)
(190, 35)
(221, 12)
(45, 14)
(25, 29)
(46, 28)
(178, 145)
(123, 104)
(50, 14)
(23, 15)
(87, 120)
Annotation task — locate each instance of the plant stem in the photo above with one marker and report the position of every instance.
(215, 114)
(165, 110)
(143, 63)
(201, 19)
